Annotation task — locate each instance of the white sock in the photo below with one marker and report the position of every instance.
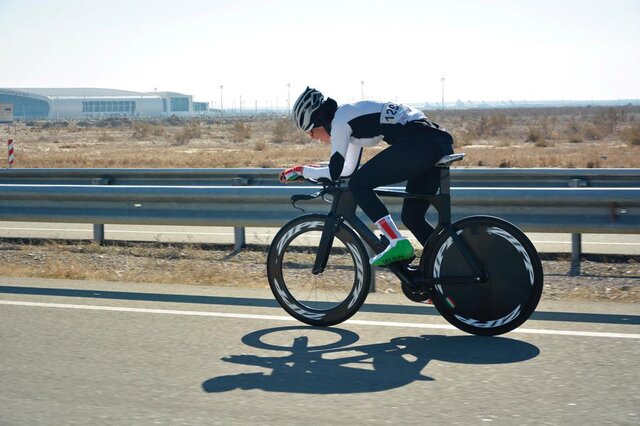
(388, 227)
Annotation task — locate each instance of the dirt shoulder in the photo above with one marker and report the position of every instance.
(613, 279)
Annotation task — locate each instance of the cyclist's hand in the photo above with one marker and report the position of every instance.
(293, 174)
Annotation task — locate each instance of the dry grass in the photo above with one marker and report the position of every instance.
(213, 265)
(632, 135)
(552, 137)
(134, 262)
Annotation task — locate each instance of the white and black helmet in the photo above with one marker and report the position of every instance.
(308, 103)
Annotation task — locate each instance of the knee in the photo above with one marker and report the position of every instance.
(358, 186)
(354, 182)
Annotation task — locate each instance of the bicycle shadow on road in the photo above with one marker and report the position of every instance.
(341, 367)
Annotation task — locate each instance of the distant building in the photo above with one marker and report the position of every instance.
(66, 103)
(6, 113)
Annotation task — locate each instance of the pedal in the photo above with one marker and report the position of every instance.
(419, 296)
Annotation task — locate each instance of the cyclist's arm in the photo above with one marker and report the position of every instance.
(315, 172)
(351, 160)
(345, 156)
(346, 166)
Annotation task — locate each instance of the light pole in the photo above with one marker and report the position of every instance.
(442, 79)
(221, 87)
(362, 90)
(288, 98)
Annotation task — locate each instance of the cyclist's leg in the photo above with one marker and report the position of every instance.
(414, 210)
(376, 172)
(416, 150)
(394, 164)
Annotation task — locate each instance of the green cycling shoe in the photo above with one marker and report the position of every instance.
(397, 250)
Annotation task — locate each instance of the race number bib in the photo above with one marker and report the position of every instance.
(400, 114)
(391, 113)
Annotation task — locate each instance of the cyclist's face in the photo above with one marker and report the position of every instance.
(320, 134)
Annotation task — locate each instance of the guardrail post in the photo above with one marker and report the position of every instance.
(239, 231)
(576, 253)
(576, 239)
(98, 229)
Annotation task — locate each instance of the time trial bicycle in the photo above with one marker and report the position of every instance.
(482, 273)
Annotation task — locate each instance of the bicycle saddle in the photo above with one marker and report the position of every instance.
(448, 159)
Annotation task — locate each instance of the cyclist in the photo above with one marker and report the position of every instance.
(416, 144)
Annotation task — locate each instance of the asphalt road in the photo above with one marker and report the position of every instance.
(628, 244)
(78, 352)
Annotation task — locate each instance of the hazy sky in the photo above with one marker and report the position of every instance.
(485, 49)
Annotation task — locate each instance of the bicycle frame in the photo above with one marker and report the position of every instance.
(343, 208)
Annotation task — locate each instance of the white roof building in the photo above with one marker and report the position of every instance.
(66, 103)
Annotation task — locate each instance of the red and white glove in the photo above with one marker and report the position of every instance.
(293, 174)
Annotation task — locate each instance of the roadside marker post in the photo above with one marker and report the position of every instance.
(12, 155)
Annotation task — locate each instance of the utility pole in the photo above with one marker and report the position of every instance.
(221, 87)
(442, 79)
(288, 98)
(362, 90)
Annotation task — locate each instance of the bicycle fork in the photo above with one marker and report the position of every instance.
(331, 226)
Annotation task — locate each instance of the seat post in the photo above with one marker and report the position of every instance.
(444, 198)
(445, 181)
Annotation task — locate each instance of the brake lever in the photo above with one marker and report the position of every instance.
(303, 197)
(326, 184)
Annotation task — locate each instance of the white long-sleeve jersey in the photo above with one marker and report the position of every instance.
(357, 125)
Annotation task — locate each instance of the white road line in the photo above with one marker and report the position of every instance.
(115, 231)
(46, 229)
(123, 231)
(287, 318)
(586, 242)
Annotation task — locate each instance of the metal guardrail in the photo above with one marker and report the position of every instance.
(464, 177)
(567, 210)
(542, 200)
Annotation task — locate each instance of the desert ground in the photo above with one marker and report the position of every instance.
(593, 137)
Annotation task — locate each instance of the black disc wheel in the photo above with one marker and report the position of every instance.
(511, 271)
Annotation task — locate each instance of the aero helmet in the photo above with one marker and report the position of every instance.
(308, 102)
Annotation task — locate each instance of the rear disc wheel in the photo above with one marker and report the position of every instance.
(512, 267)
